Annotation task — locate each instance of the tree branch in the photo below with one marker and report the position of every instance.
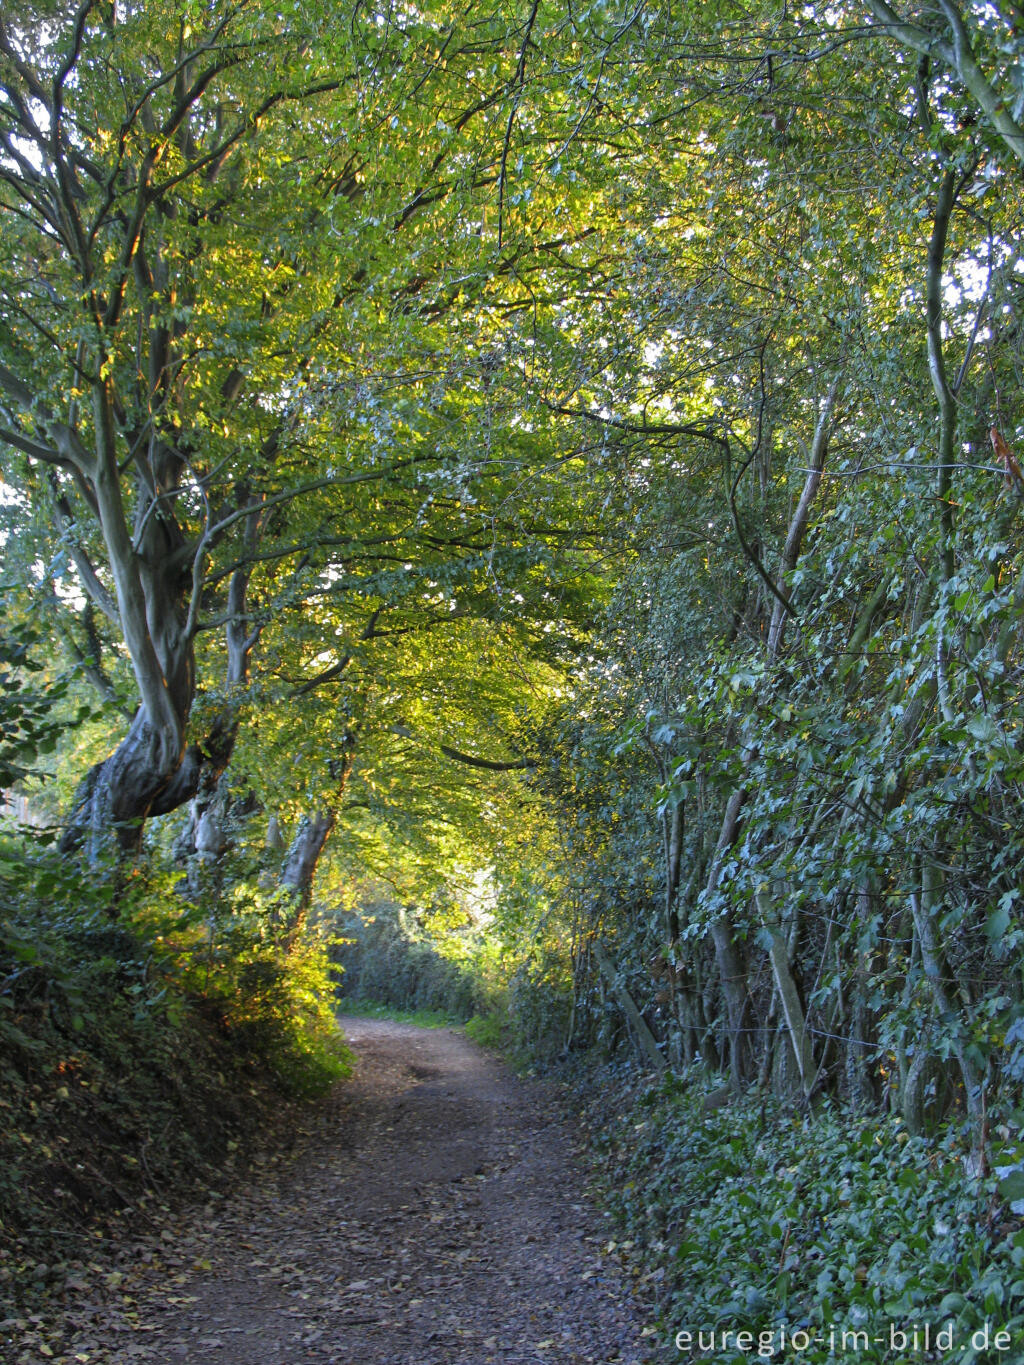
(369, 632)
(798, 525)
(958, 55)
(69, 448)
(488, 764)
(519, 81)
(937, 367)
(91, 581)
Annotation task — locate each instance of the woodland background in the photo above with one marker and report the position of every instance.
(534, 491)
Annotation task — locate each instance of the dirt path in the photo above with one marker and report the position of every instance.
(433, 1216)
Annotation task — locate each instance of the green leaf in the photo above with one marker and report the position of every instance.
(997, 923)
(1011, 1186)
(982, 727)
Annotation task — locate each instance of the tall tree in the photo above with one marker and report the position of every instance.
(144, 292)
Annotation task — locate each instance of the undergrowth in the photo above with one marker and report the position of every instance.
(401, 959)
(141, 1041)
(752, 1220)
(489, 1030)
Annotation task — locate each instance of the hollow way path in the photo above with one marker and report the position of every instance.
(434, 1215)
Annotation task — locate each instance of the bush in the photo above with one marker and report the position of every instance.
(540, 1008)
(488, 1031)
(269, 989)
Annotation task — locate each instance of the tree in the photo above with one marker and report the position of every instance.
(143, 189)
(189, 316)
(980, 47)
(806, 223)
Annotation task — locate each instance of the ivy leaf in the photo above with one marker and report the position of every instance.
(997, 923)
(1011, 1186)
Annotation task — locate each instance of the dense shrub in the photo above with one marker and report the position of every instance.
(539, 1008)
(268, 985)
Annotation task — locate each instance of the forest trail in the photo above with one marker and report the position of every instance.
(431, 1215)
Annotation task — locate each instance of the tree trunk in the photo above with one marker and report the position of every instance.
(730, 967)
(115, 796)
(798, 523)
(200, 780)
(118, 794)
(216, 815)
(314, 830)
(154, 773)
(673, 830)
(925, 909)
(789, 998)
(301, 860)
(859, 1085)
(645, 1039)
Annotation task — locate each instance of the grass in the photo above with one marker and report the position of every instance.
(370, 1009)
(485, 1030)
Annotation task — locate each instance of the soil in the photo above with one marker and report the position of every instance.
(432, 1212)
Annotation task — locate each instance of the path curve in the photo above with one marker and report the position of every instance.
(434, 1215)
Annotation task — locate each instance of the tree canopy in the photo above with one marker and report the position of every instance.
(581, 442)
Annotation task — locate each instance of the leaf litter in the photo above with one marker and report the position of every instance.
(430, 1212)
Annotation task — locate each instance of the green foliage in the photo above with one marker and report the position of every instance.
(489, 1031)
(846, 684)
(366, 1009)
(36, 710)
(405, 960)
(276, 1005)
(267, 987)
(750, 1220)
(449, 389)
(140, 1045)
(103, 1066)
(539, 1009)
